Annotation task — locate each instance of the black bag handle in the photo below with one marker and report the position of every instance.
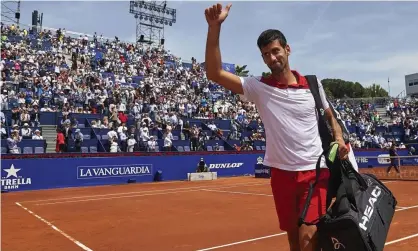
(347, 173)
(312, 185)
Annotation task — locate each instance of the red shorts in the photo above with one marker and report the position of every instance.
(290, 189)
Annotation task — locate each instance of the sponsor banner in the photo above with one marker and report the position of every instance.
(369, 159)
(261, 171)
(34, 174)
(14, 179)
(94, 172)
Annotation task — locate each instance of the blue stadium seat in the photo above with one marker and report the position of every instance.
(93, 149)
(39, 149)
(27, 150)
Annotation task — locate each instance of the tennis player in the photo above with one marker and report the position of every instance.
(287, 109)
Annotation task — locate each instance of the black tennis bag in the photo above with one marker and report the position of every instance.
(361, 215)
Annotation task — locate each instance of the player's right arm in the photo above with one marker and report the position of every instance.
(215, 15)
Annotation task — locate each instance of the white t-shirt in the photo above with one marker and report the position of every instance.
(289, 116)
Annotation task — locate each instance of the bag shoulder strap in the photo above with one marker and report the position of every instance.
(314, 88)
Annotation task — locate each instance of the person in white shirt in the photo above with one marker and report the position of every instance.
(122, 128)
(37, 135)
(288, 112)
(3, 132)
(26, 131)
(123, 140)
(144, 137)
(212, 126)
(131, 143)
(114, 147)
(78, 140)
(152, 144)
(12, 142)
(168, 141)
(112, 134)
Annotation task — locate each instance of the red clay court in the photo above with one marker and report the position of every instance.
(224, 215)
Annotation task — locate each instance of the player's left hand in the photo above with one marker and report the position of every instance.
(342, 149)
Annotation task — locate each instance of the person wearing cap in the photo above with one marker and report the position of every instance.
(37, 135)
(78, 140)
(12, 142)
(14, 127)
(26, 131)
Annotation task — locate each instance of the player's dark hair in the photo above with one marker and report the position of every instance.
(269, 36)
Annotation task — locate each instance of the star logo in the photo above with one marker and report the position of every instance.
(12, 171)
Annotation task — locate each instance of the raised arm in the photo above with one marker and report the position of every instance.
(215, 15)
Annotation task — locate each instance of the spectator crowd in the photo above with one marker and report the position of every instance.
(142, 90)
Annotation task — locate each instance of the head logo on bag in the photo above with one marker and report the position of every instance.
(368, 212)
(337, 243)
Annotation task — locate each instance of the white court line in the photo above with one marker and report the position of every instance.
(401, 239)
(130, 196)
(161, 190)
(240, 242)
(406, 208)
(81, 245)
(283, 233)
(111, 198)
(220, 191)
(148, 191)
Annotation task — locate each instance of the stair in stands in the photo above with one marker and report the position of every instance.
(49, 133)
(382, 112)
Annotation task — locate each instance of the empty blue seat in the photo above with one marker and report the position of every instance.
(27, 150)
(93, 149)
(39, 149)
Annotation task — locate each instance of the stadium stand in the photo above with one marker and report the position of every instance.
(110, 96)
